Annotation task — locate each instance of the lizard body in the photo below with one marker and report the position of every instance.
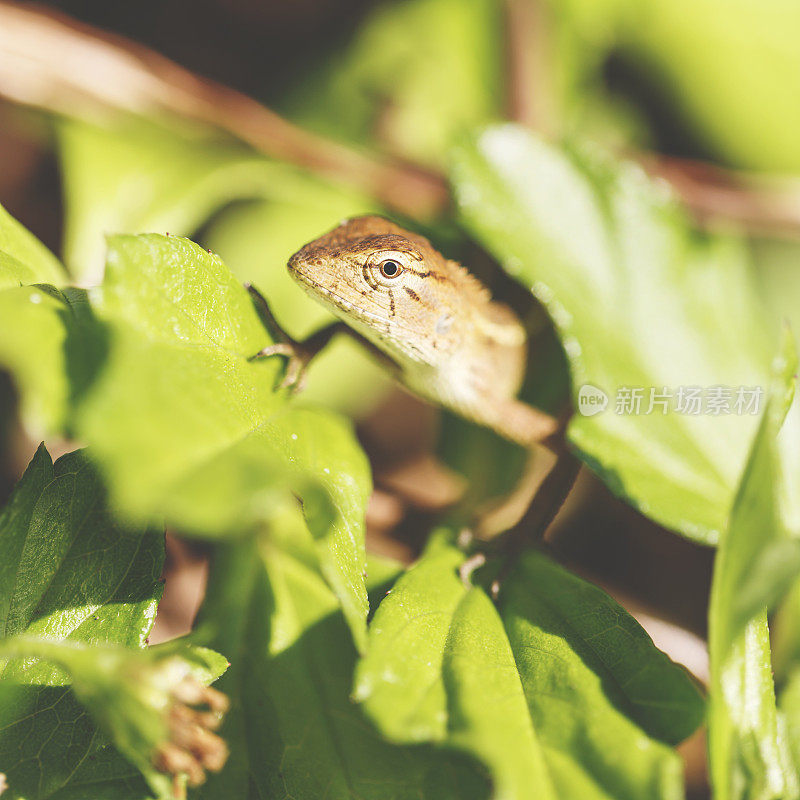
(445, 337)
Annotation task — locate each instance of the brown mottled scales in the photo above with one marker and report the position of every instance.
(446, 339)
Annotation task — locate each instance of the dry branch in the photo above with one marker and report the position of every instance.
(52, 62)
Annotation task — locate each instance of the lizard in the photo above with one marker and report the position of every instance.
(431, 322)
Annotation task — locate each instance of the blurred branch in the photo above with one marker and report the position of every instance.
(55, 63)
(767, 205)
(530, 99)
(710, 192)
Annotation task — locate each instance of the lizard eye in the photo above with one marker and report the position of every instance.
(390, 268)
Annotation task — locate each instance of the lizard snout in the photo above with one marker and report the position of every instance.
(296, 261)
(301, 265)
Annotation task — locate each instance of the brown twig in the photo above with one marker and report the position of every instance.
(710, 192)
(529, 94)
(713, 194)
(50, 61)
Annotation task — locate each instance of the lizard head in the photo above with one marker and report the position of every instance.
(387, 283)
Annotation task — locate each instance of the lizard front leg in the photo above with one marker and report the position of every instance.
(298, 354)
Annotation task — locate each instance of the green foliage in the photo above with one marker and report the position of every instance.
(153, 369)
(639, 301)
(758, 558)
(136, 176)
(727, 78)
(790, 716)
(548, 690)
(23, 258)
(293, 730)
(534, 687)
(155, 373)
(37, 323)
(411, 93)
(70, 575)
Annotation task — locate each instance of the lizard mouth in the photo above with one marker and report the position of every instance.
(326, 295)
(343, 307)
(386, 334)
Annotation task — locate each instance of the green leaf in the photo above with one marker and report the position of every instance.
(779, 280)
(415, 75)
(293, 729)
(536, 689)
(68, 570)
(785, 635)
(186, 426)
(735, 76)
(439, 668)
(68, 573)
(748, 751)
(103, 774)
(52, 345)
(642, 682)
(31, 333)
(602, 693)
(762, 554)
(790, 716)
(23, 258)
(757, 560)
(137, 176)
(639, 302)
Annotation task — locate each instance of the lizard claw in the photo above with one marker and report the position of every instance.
(297, 361)
(298, 354)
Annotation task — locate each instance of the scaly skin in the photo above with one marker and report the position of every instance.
(446, 339)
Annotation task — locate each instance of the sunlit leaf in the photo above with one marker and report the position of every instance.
(36, 323)
(187, 426)
(641, 303)
(23, 258)
(293, 729)
(535, 689)
(757, 560)
(68, 572)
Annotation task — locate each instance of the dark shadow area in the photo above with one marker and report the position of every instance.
(617, 546)
(626, 75)
(256, 47)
